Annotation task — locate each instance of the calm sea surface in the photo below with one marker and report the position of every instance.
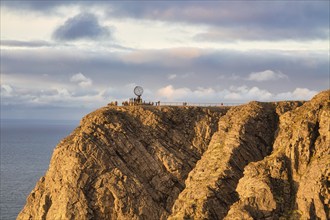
(26, 148)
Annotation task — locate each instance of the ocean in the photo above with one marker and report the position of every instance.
(25, 152)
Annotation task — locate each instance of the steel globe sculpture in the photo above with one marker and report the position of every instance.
(138, 91)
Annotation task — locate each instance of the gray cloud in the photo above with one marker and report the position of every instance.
(206, 68)
(81, 26)
(266, 76)
(18, 43)
(230, 34)
(44, 80)
(37, 5)
(38, 79)
(271, 20)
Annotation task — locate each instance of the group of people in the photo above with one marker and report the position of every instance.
(115, 103)
(135, 102)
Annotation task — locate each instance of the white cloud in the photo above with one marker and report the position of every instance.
(180, 76)
(204, 93)
(236, 94)
(172, 76)
(266, 76)
(233, 94)
(82, 80)
(62, 92)
(60, 97)
(172, 94)
(6, 90)
(78, 77)
(297, 94)
(245, 93)
(75, 96)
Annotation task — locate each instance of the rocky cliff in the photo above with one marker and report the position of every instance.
(255, 161)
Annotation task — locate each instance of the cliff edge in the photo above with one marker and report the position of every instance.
(255, 161)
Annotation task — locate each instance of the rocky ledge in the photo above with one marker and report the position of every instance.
(254, 161)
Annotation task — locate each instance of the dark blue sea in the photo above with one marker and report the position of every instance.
(26, 149)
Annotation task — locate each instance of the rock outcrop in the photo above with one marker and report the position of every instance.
(255, 161)
(246, 133)
(123, 163)
(293, 182)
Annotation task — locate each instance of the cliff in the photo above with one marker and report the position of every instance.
(255, 161)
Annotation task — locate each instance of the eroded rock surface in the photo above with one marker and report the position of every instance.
(255, 161)
(293, 182)
(123, 163)
(246, 134)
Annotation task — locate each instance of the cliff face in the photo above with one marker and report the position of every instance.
(123, 163)
(255, 161)
(245, 134)
(293, 182)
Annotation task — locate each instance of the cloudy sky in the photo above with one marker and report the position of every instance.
(62, 59)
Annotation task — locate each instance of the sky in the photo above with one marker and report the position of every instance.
(63, 59)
